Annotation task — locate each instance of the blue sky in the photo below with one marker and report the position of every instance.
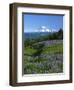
(36, 22)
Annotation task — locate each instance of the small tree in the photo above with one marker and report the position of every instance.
(60, 34)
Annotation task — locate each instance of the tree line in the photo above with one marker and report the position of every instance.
(54, 36)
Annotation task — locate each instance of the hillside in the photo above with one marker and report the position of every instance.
(49, 59)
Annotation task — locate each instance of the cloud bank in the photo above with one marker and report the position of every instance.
(44, 29)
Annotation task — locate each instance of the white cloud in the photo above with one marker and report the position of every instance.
(48, 30)
(43, 27)
(42, 30)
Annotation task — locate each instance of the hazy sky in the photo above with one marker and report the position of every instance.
(34, 22)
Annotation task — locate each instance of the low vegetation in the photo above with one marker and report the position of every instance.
(44, 54)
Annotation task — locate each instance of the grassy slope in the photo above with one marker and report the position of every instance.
(43, 65)
(53, 49)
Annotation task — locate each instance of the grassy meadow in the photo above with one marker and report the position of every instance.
(44, 54)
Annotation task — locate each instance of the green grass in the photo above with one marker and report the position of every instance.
(54, 49)
(33, 65)
(29, 51)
